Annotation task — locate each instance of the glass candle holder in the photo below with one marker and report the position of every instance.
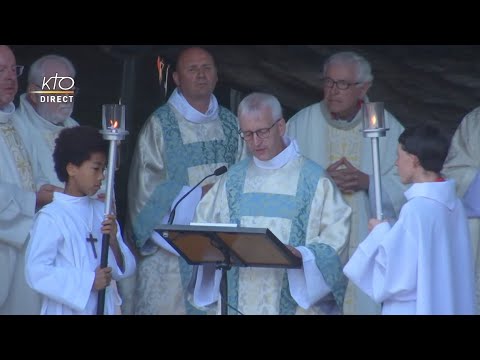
(373, 116)
(113, 117)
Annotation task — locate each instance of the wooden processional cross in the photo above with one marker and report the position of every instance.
(92, 241)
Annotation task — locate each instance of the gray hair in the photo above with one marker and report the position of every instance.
(37, 70)
(364, 69)
(257, 101)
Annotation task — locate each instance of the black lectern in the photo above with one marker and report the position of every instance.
(227, 246)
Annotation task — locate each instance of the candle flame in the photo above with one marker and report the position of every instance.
(373, 121)
(113, 124)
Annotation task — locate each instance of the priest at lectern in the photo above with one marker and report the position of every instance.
(283, 191)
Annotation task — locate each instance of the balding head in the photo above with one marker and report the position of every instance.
(47, 67)
(194, 52)
(196, 77)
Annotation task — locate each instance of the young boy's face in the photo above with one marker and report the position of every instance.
(406, 165)
(86, 179)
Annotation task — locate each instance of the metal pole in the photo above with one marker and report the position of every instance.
(224, 292)
(112, 161)
(377, 178)
(113, 130)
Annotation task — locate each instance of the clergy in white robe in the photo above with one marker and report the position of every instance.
(423, 265)
(19, 199)
(17, 209)
(177, 147)
(38, 135)
(330, 131)
(283, 191)
(61, 262)
(463, 165)
(39, 122)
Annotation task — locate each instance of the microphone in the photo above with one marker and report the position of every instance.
(221, 170)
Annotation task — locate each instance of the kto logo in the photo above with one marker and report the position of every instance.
(57, 89)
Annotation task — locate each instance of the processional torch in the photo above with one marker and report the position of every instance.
(113, 130)
(374, 128)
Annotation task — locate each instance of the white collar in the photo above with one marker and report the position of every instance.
(6, 112)
(28, 113)
(81, 205)
(76, 200)
(289, 153)
(178, 101)
(442, 192)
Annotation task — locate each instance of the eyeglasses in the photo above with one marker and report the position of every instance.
(341, 84)
(17, 69)
(261, 133)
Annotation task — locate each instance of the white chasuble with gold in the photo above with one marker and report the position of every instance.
(17, 208)
(303, 208)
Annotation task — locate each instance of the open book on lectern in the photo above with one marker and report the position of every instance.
(255, 247)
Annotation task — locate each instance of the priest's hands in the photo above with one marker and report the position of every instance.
(205, 189)
(102, 278)
(45, 195)
(347, 177)
(294, 251)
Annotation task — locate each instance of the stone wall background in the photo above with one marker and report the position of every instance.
(437, 84)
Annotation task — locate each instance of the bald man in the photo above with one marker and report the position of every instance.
(183, 141)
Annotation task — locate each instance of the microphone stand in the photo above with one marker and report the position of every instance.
(226, 265)
(217, 172)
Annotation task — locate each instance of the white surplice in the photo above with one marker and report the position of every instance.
(39, 136)
(61, 263)
(326, 140)
(423, 265)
